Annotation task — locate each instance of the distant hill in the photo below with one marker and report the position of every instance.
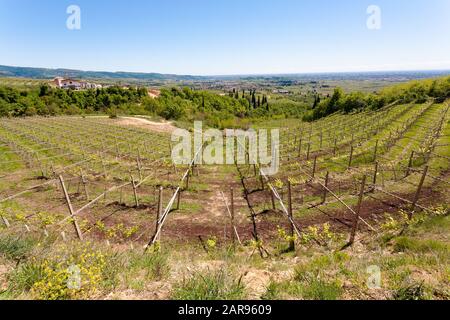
(42, 73)
(159, 78)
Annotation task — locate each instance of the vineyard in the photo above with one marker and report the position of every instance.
(341, 180)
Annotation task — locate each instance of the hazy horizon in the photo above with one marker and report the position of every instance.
(243, 74)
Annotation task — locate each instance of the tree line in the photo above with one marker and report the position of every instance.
(235, 109)
(414, 91)
(48, 101)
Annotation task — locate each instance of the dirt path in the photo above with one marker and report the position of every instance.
(214, 205)
(164, 127)
(210, 216)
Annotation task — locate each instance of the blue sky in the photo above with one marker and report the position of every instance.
(216, 37)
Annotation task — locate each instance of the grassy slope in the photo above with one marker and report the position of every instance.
(412, 266)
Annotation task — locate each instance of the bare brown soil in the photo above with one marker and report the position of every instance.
(162, 127)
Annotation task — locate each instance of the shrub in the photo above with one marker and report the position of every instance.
(74, 278)
(411, 292)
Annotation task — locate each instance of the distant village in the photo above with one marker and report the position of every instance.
(63, 83)
(67, 83)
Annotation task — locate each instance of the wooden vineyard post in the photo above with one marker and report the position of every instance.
(325, 190)
(395, 172)
(233, 226)
(79, 185)
(314, 167)
(358, 212)
(40, 166)
(375, 175)
(300, 148)
(178, 199)
(160, 202)
(52, 168)
(160, 209)
(417, 195)
(335, 147)
(105, 193)
(410, 163)
(139, 158)
(71, 211)
(291, 225)
(321, 140)
(375, 151)
(121, 195)
(350, 158)
(261, 180)
(235, 234)
(174, 167)
(133, 184)
(117, 149)
(138, 165)
(68, 187)
(308, 151)
(187, 180)
(272, 198)
(197, 170)
(84, 182)
(104, 168)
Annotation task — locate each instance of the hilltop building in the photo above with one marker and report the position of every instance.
(73, 84)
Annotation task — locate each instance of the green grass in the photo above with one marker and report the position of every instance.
(318, 289)
(311, 280)
(24, 277)
(9, 162)
(218, 285)
(190, 207)
(15, 247)
(403, 244)
(311, 289)
(435, 224)
(155, 265)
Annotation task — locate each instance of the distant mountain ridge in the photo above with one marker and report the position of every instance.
(44, 73)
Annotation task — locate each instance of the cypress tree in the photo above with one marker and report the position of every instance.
(315, 102)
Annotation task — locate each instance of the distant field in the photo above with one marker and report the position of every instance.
(21, 83)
